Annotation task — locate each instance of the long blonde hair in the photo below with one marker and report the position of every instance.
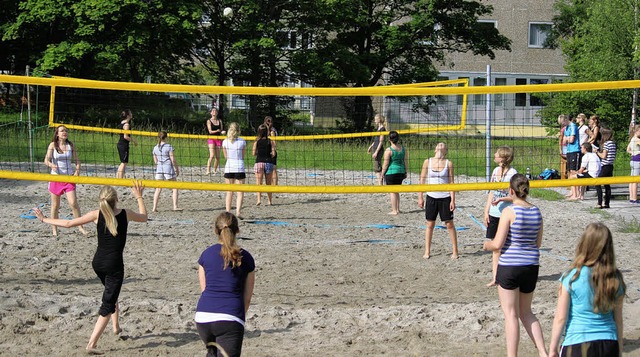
(233, 132)
(595, 250)
(380, 119)
(226, 228)
(506, 154)
(108, 198)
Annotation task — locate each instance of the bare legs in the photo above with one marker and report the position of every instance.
(156, 198)
(269, 180)
(239, 197)
(633, 191)
(495, 256)
(121, 169)
(75, 208)
(516, 305)
(395, 203)
(214, 153)
(99, 328)
(453, 235)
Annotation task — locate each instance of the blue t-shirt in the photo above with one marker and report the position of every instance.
(496, 210)
(224, 291)
(572, 130)
(582, 323)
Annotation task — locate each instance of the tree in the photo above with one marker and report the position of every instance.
(598, 41)
(357, 42)
(107, 39)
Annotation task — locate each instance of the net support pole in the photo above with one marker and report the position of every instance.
(29, 126)
(487, 128)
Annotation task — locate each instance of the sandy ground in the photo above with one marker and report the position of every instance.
(336, 276)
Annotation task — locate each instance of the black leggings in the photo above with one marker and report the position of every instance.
(605, 171)
(227, 334)
(112, 282)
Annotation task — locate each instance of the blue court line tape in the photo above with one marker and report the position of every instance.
(377, 226)
(315, 175)
(29, 214)
(473, 218)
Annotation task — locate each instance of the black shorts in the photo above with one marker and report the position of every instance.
(227, 334)
(394, 179)
(592, 348)
(123, 152)
(573, 161)
(235, 175)
(514, 277)
(435, 206)
(492, 228)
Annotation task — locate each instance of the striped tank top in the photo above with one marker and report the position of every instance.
(520, 248)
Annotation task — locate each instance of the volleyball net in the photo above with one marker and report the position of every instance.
(315, 155)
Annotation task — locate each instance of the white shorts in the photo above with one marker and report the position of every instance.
(161, 176)
(635, 168)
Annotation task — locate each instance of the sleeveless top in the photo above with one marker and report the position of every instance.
(108, 257)
(438, 177)
(63, 161)
(263, 151)
(122, 140)
(215, 127)
(396, 166)
(162, 153)
(520, 248)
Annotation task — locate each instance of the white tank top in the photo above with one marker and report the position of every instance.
(438, 177)
(63, 161)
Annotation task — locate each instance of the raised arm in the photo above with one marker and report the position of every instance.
(87, 218)
(141, 215)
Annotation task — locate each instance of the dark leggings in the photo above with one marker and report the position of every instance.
(112, 282)
(227, 334)
(605, 171)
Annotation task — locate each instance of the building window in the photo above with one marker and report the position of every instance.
(291, 40)
(538, 32)
(534, 100)
(521, 98)
(479, 99)
(459, 98)
(486, 25)
(498, 99)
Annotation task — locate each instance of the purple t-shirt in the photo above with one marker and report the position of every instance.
(224, 291)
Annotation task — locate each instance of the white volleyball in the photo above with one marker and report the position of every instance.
(227, 12)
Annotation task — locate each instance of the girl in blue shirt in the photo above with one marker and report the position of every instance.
(226, 275)
(589, 310)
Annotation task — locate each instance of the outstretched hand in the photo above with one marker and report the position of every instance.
(38, 213)
(137, 188)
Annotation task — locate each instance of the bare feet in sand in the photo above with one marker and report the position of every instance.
(491, 283)
(393, 213)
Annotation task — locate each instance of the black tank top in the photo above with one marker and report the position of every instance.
(108, 257)
(122, 140)
(263, 150)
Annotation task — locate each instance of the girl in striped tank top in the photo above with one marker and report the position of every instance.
(607, 155)
(518, 238)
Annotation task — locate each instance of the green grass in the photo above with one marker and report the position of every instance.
(605, 215)
(466, 152)
(631, 226)
(545, 194)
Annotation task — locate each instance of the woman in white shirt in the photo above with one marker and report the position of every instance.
(234, 148)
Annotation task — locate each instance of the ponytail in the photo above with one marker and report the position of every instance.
(108, 198)
(226, 228)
